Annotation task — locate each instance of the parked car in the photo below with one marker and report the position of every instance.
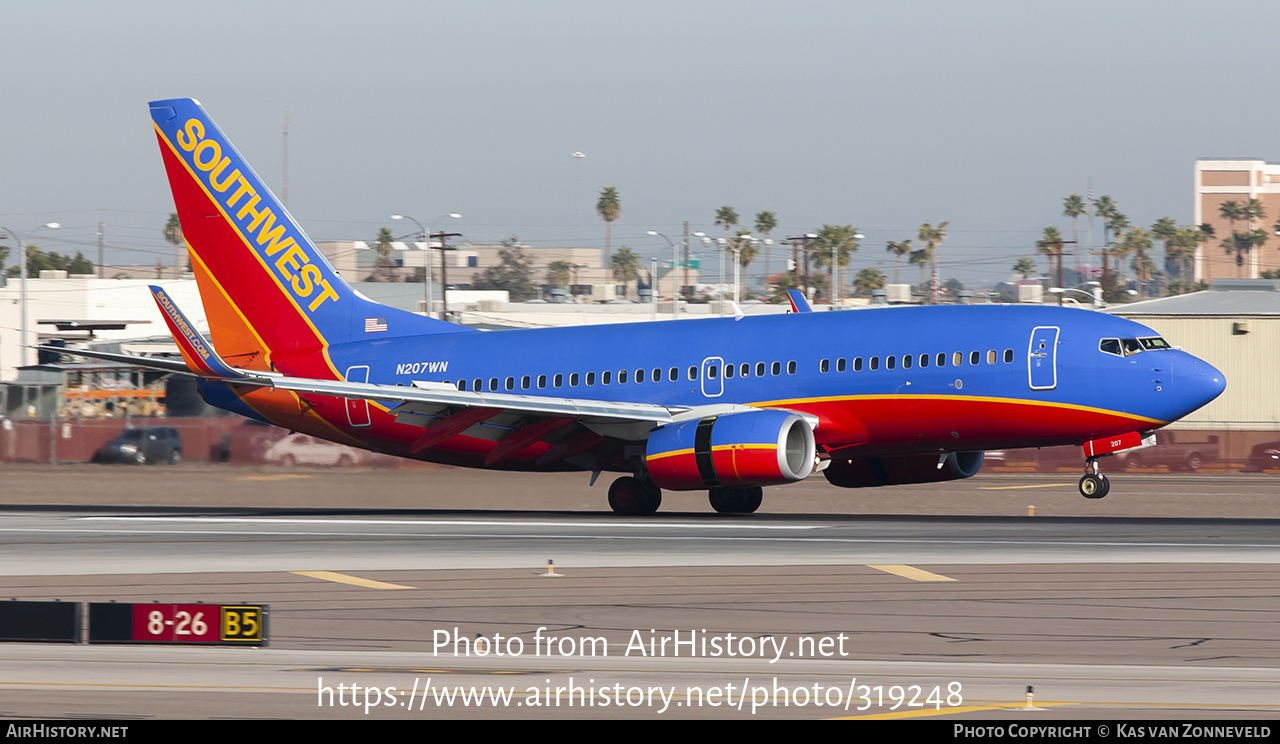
(1172, 453)
(139, 446)
(300, 449)
(1265, 456)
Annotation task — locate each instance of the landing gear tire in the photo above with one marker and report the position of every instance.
(1094, 486)
(736, 500)
(631, 497)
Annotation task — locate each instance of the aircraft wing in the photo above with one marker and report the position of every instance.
(431, 399)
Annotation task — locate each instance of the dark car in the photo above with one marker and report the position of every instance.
(140, 446)
(1265, 456)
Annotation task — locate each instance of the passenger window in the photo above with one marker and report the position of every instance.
(693, 373)
(606, 377)
(462, 385)
(759, 369)
(745, 370)
(775, 368)
(840, 364)
(991, 356)
(511, 383)
(924, 360)
(524, 382)
(857, 364)
(942, 359)
(874, 364)
(674, 374)
(591, 378)
(957, 359)
(657, 375)
(712, 371)
(493, 384)
(791, 368)
(1008, 356)
(728, 371)
(477, 384)
(622, 377)
(639, 375)
(824, 366)
(975, 358)
(906, 361)
(557, 381)
(542, 381)
(890, 362)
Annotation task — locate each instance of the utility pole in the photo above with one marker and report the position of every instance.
(444, 270)
(100, 247)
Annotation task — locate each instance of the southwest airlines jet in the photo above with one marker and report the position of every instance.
(873, 397)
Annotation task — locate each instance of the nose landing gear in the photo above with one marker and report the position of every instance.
(1094, 485)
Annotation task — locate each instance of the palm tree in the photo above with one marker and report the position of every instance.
(558, 273)
(1073, 206)
(1105, 208)
(608, 207)
(920, 258)
(766, 222)
(1050, 244)
(1136, 243)
(932, 237)
(868, 280)
(625, 266)
(1166, 229)
(173, 235)
(1024, 266)
(747, 250)
(727, 216)
(842, 239)
(898, 248)
(384, 268)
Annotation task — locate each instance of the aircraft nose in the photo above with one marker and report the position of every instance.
(1198, 382)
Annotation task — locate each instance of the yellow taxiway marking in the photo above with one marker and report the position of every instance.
(1011, 488)
(353, 580)
(276, 477)
(939, 712)
(915, 574)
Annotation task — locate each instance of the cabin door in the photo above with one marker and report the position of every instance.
(1042, 358)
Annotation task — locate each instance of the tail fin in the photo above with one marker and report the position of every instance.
(270, 295)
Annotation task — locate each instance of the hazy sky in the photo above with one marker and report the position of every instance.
(882, 114)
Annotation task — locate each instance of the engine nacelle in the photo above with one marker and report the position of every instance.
(870, 472)
(752, 448)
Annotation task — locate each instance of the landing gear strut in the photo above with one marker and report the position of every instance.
(1094, 485)
(736, 500)
(633, 497)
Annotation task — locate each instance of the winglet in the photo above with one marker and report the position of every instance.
(196, 351)
(798, 303)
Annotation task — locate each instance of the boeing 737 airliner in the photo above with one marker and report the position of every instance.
(873, 397)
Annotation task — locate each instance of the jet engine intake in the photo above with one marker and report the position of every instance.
(753, 448)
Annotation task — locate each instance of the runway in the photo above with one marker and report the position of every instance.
(1106, 617)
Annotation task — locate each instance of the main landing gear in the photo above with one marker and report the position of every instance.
(1094, 485)
(633, 497)
(736, 500)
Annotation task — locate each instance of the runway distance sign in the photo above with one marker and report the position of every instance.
(203, 624)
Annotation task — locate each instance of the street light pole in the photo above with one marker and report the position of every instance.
(444, 270)
(22, 282)
(675, 288)
(426, 237)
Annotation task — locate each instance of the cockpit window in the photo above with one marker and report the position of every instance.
(1130, 346)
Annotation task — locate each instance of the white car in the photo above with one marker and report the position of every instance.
(300, 449)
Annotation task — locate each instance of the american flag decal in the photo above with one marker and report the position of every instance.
(375, 325)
